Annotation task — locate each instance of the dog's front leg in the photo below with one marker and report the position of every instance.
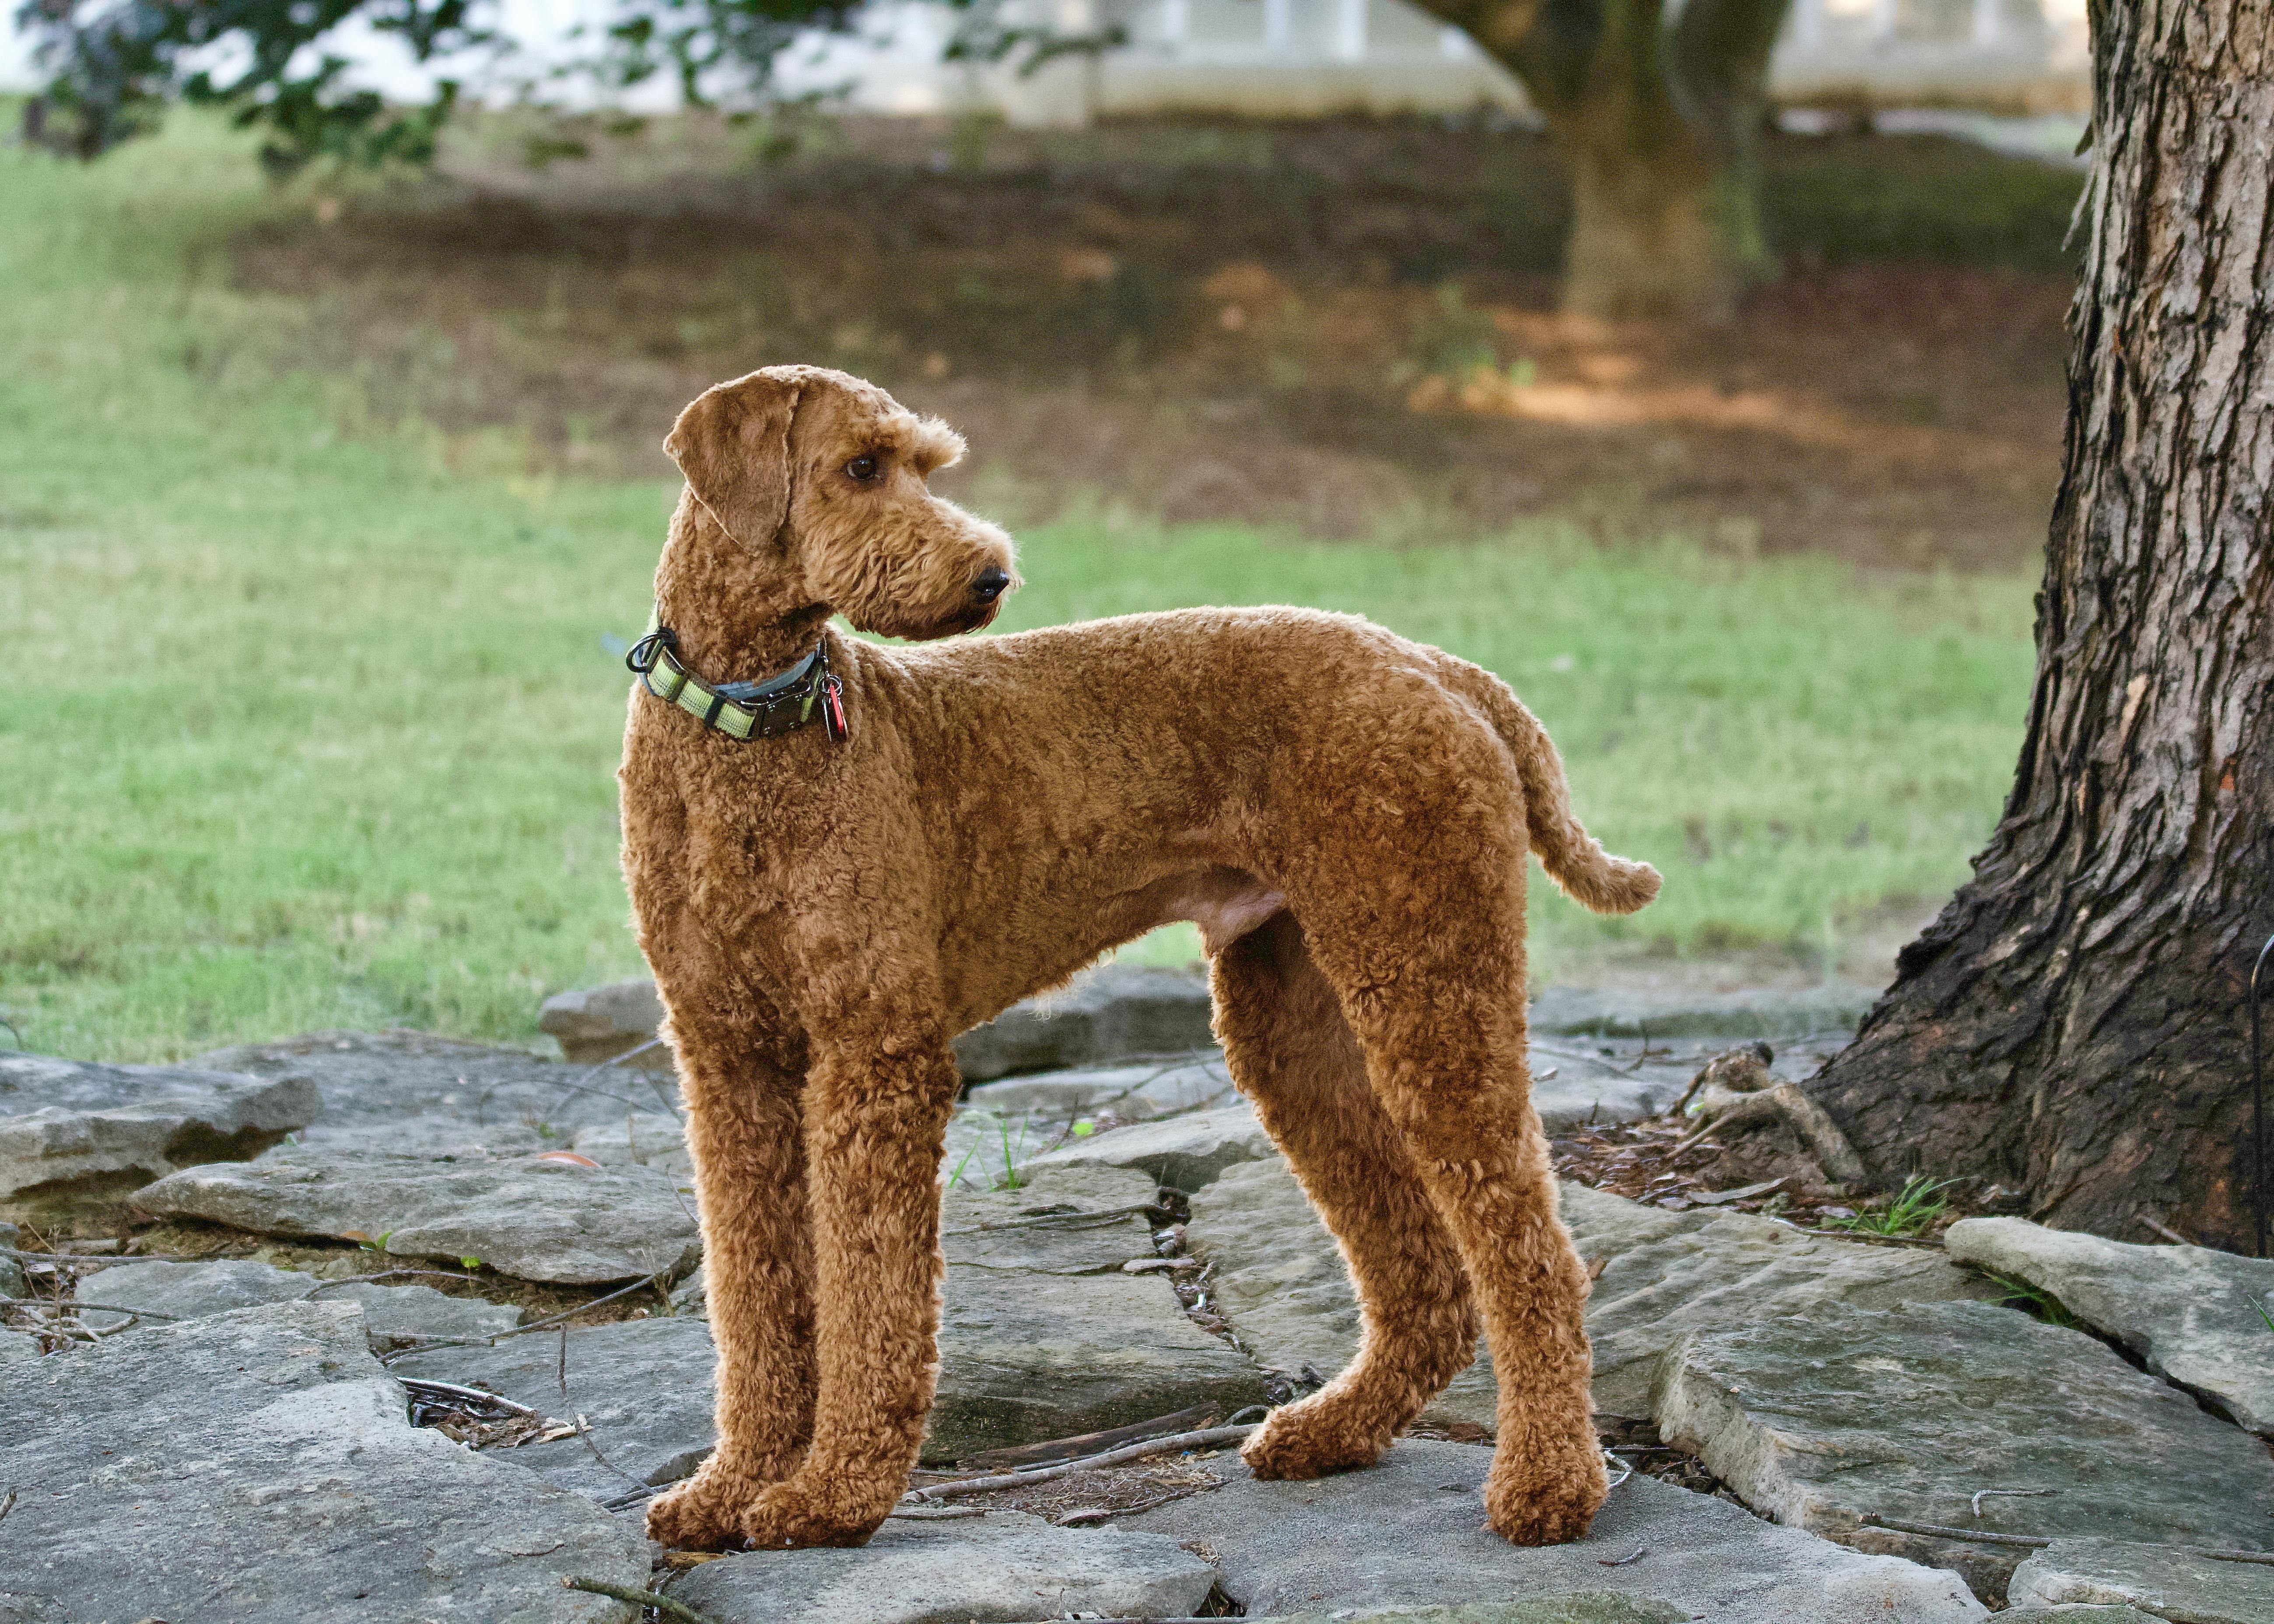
(745, 1131)
(876, 1120)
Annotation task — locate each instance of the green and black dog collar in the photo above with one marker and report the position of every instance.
(779, 704)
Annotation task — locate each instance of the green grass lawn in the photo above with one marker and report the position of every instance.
(300, 727)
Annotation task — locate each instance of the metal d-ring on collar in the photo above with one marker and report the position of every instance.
(766, 709)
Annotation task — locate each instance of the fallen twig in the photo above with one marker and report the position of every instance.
(944, 1514)
(451, 1390)
(646, 1599)
(1174, 1444)
(1056, 1220)
(1982, 1494)
(365, 1279)
(2037, 1542)
(75, 1304)
(1084, 1517)
(1633, 1556)
(1051, 1452)
(523, 1330)
(1725, 1108)
(7, 1505)
(2167, 1232)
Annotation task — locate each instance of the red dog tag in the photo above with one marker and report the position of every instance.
(832, 709)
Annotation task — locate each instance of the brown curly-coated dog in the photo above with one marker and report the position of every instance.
(1343, 813)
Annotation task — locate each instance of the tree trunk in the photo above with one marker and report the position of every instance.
(1660, 125)
(2074, 1024)
(1648, 238)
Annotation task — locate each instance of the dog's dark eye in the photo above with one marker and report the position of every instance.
(863, 469)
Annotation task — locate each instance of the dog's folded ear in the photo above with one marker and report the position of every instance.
(732, 445)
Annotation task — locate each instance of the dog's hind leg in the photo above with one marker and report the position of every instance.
(1440, 1012)
(1292, 1053)
(743, 1128)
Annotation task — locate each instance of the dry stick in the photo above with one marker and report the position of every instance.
(101, 1308)
(7, 1505)
(1809, 1119)
(2034, 1542)
(646, 1599)
(1063, 1221)
(1982, 1494)
(523, 1330)
(364, 1280)
(2174, 1235)
(451, 1390)
(1172, 1445)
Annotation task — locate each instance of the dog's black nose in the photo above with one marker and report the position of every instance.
(989, 585)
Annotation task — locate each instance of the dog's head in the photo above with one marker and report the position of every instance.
(820, 476)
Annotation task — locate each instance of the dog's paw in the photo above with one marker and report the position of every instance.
(1311, 1439)
(795, 1514)
(703, 1514)
(1546, 1502)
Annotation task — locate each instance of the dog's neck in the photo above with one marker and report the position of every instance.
(735, 620)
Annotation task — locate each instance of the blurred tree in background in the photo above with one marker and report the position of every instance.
(1658, 118)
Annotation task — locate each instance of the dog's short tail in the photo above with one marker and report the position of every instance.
(1574, 859)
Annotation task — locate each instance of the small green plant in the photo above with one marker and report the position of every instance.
(470, 1262)
(956, 1178)
(1084, 1128)
(1912, 1212)
(2040, 1302)
(1011, 1179)
(2262, 1314)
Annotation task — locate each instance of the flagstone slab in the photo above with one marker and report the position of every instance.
(1108, 1013)
(413, 1093)
(1005, 1565)
(1573, 1607)
(639, 1138)
(70, 1130)
(394, 1313)
(1132, 1093)
(1281, 1281)
(593, 1023)
(1832, 1010)
(523, 1216)
(645, 1387)
(1043, 1336)
(260, 1465)
(2190, 1313)
(1408, 1532)
(1184, 1153)
(1822, 1419)
(2160, 1581)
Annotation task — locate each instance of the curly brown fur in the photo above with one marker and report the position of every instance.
(1345, 814)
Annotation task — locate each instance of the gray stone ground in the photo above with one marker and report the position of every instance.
(259, 1466)
(1281, 1281)
(1409, 1532)
(394, 1313)
(643, 1385)
(1063, 1315)
(2163, 1582)
(2193, 1314)
(1002, 1565)
(68, 1128)
(1909, 1412)
(521, 1215)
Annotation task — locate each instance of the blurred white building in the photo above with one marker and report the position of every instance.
(1298, 57)
(1292, 57)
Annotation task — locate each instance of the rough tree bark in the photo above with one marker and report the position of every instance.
(1659, 123)
(2072, 1025)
